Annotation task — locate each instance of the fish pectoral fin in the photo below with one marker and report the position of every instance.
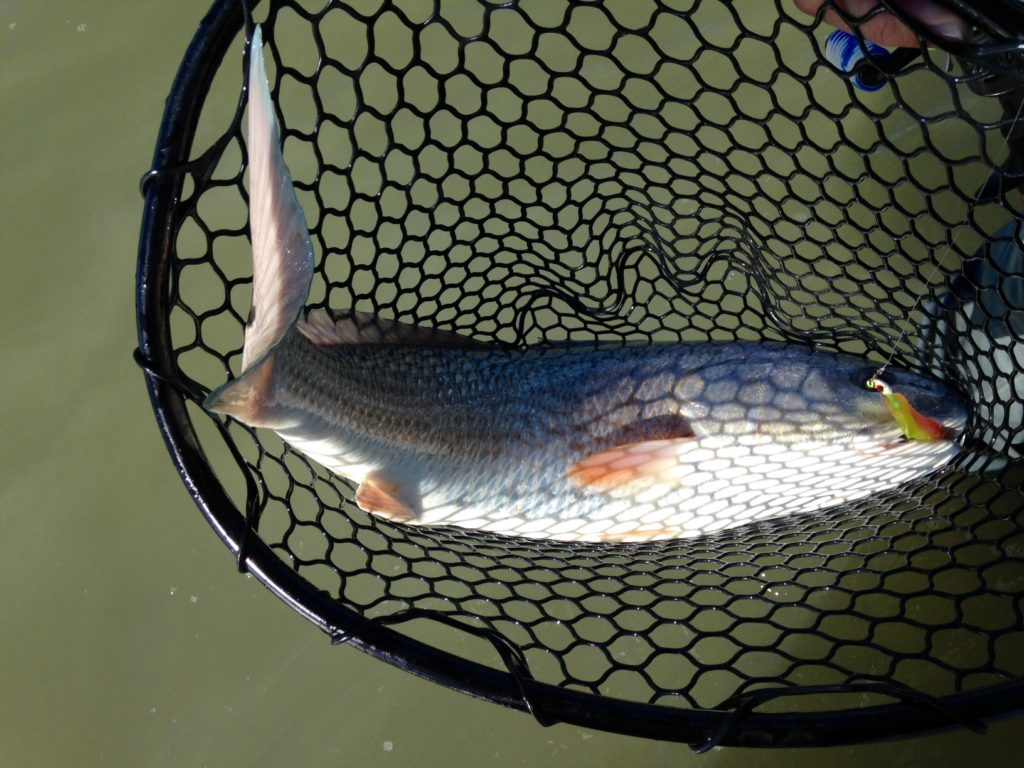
(356, 328)
(649, 462)
(388, 497)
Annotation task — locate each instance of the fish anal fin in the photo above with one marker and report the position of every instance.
(381, 494)
(648, 462)
(355, 328)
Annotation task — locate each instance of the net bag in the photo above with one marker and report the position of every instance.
(538, 172)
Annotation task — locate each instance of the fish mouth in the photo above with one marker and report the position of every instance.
(932, 397)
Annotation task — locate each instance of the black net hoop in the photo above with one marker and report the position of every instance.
(540, 171)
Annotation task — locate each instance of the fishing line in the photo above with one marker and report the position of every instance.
(937, 263)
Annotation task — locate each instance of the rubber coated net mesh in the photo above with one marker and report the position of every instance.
(653, 171)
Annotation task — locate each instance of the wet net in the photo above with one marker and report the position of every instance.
(540, 171)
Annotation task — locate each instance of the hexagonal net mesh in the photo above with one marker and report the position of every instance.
(652, 171)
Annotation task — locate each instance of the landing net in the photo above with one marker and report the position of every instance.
(533, 172)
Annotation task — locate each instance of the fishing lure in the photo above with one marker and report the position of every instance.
(914, 425)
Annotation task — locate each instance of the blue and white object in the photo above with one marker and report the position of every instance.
(846, 51)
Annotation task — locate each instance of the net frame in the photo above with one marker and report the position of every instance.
(733, 722)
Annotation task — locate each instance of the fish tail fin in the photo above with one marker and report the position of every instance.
(281, 247)
(251, 398)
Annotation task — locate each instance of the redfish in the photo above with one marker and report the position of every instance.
(586, 442)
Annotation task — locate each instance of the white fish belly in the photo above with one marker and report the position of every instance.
(717, 483)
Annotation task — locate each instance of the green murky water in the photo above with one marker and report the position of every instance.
(127, 636)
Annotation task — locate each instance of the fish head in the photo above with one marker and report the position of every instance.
(867, 392)
(796, 393)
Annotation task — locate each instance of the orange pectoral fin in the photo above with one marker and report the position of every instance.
(387, 497)
(649, 462)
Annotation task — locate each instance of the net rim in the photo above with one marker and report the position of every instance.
(549, 704)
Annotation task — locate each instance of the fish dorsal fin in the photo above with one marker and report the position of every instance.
(359, 328)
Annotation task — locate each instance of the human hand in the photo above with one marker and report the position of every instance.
(885, 29)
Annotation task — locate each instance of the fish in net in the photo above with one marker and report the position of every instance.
(530, 175)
